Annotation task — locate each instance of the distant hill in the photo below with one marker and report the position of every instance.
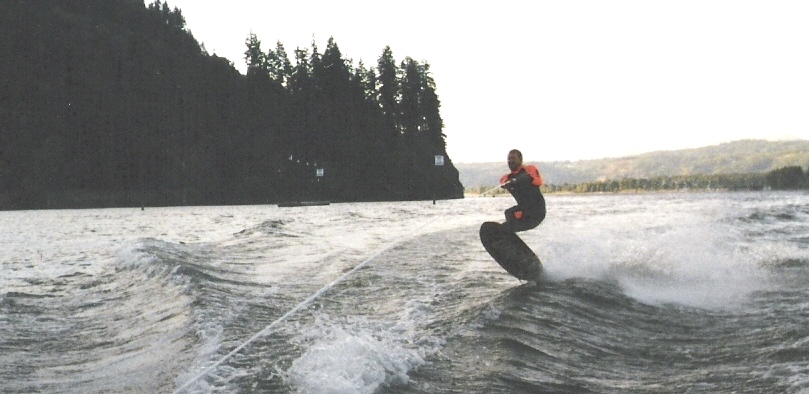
(745, 156)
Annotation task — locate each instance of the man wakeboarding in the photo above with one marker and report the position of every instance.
(523, 183)
(501, 240)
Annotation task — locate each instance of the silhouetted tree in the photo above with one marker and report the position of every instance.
(255, 58)
(280, 67)
(389, 91)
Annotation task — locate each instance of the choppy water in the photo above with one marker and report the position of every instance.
(659, 293)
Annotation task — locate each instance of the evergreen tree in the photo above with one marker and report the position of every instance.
(280, 68)
(410, 105)
(303, 139)
(255, 58)
(368, 81)
(433, 124)
(389, 91)
(334, 82)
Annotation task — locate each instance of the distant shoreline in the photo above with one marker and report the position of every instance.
(625, 192)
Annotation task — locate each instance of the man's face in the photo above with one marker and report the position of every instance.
(514, 161)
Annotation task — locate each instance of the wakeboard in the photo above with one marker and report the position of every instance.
(510, 251)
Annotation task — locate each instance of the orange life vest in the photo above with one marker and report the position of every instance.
(530, 169)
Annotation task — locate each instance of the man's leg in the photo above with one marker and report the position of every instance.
(525, 222)
(511, 219)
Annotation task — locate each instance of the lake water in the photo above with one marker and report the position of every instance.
(654, 293)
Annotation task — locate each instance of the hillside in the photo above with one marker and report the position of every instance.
(745, 156)
(110, 103)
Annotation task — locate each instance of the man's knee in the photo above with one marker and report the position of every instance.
(526, 223)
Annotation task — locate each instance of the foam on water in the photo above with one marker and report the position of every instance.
(683, 259)
(186, 269)
(351, 357)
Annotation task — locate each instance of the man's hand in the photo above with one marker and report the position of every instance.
(522, 178)
(509, 184)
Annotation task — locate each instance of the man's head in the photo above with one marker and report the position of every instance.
(514, 159)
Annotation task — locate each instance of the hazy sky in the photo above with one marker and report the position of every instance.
(562, 80)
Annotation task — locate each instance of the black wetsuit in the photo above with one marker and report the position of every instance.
(529, 201)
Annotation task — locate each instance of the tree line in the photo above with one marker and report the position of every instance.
(788, 178)
(115, 103)
(785, 178)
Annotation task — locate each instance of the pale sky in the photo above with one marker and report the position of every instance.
(561, 80)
